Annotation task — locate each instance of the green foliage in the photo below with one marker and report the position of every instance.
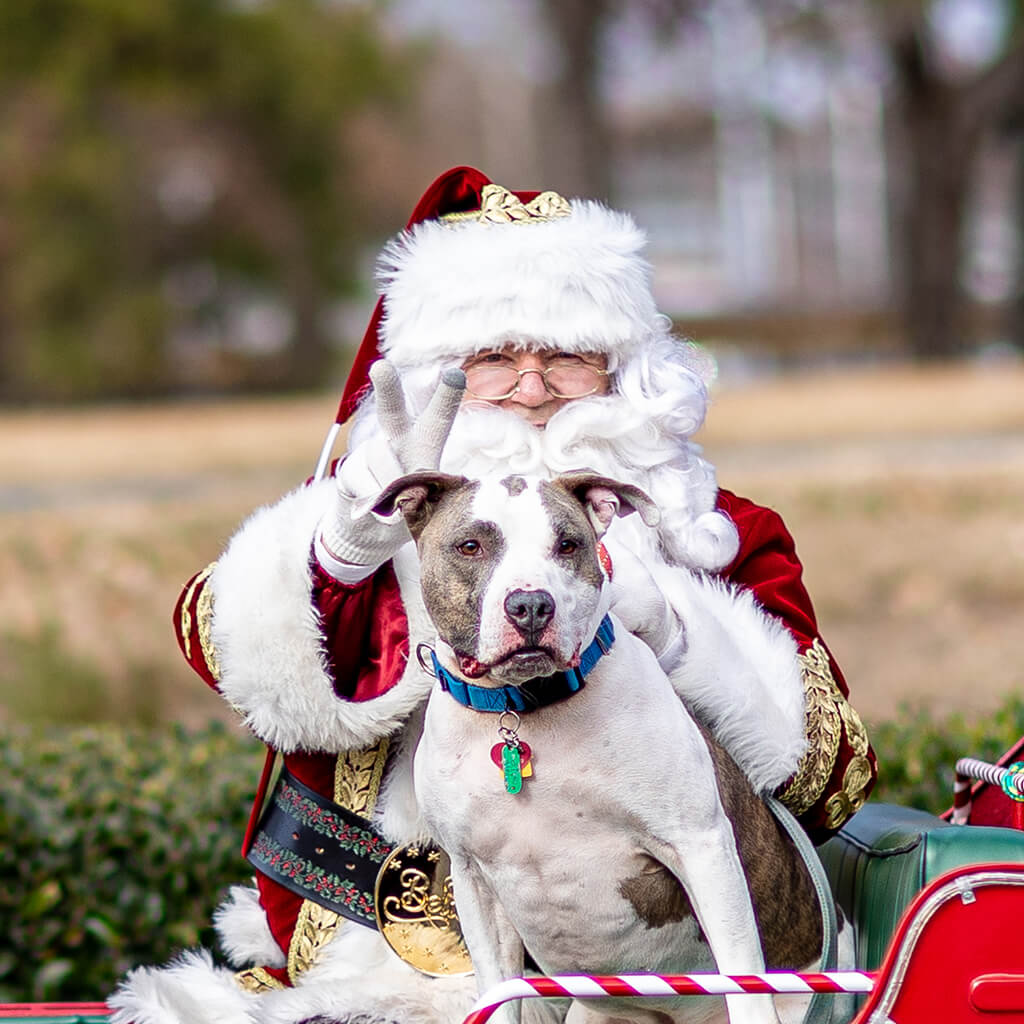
(148, 142)
(917, 754)
(115, 846)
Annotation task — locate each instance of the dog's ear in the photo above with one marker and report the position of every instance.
(603, 499)
(416, 496)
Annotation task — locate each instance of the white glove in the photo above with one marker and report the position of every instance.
(642, 608)
(352, 540)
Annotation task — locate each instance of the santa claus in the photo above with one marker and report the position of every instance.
(310, 621)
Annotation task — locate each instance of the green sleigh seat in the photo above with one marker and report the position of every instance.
(886, 854)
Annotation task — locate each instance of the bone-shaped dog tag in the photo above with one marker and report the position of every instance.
(514, 762)
(512, 766)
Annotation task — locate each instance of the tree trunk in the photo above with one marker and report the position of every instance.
(943, 124)
(578, 154)
(938, 163)
(939, 178)
(1015, 314)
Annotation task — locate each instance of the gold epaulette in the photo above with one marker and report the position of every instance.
(828, 716)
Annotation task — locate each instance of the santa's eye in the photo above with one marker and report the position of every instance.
(469, 548)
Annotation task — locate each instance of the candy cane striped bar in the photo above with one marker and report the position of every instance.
(597, 986)
(1010, 779)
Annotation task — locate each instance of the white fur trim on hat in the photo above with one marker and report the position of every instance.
(577, 282)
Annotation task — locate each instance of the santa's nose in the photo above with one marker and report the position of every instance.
(532, 390)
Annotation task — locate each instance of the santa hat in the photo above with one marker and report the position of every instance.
(481, 267)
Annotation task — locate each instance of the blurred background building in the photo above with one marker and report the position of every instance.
(191, 192)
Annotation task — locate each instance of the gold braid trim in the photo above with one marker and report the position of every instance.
(257, 980)
(499, 206)
(827, 713)
(186, 608)
(204, 624)
(315, 927)
(357, 778)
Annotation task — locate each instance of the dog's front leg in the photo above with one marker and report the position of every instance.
(708, 865)
(492, 940)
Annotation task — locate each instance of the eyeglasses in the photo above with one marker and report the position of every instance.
(563, 378)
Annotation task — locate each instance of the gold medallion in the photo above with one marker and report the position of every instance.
(416, 911)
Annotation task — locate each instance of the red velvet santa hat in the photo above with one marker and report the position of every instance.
(480, 267)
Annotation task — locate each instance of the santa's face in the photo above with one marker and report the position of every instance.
(534, 385)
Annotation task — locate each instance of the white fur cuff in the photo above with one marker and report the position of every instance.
(268, 635)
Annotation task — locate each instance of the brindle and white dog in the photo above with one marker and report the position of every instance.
(636, 845)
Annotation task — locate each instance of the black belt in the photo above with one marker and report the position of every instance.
(319, 850)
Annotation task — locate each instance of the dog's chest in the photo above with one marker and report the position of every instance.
(570, 852)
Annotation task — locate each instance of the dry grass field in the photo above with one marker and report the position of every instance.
(904, 489)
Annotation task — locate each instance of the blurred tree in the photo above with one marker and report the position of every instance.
(581, 161)
(173, 189)
(580, 156)
(941, 106)
(1016, 326)
(944, 106)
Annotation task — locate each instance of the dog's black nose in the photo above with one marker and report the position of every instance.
(530, 611)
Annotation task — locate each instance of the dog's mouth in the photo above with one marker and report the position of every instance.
(523, 662)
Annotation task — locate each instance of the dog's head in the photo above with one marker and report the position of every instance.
(509, 568)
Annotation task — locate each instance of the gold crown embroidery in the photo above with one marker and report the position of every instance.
(499, 206)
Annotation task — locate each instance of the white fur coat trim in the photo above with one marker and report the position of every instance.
(356, 977)
(578, 283)
(243, 931)
(740, 675)
(189, 990)
(268, 637)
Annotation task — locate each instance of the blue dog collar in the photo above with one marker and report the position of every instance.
(535, 693)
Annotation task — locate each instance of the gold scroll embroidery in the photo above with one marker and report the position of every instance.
(827, 714)
(257, 980)
(499, 206)
(357, 777)
(851, 797)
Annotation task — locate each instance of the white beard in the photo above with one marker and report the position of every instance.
(608, 435)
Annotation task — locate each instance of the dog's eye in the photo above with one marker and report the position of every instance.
(567, 546)
(469, 548)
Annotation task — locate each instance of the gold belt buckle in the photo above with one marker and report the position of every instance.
(416, 914)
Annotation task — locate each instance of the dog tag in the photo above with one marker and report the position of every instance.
(525, 753)
(512, 766)
(514, 763)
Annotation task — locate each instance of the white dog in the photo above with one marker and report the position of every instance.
(596, 827)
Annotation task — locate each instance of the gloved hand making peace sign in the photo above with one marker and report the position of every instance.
(351, 533)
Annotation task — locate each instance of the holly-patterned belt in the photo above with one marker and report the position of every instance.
(319, 850)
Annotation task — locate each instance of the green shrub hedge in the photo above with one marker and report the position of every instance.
(115, 845)
(116, 842)
(917, 753)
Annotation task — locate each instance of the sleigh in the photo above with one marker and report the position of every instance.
(936, 904)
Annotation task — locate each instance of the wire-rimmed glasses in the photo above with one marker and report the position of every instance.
(563, 378)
